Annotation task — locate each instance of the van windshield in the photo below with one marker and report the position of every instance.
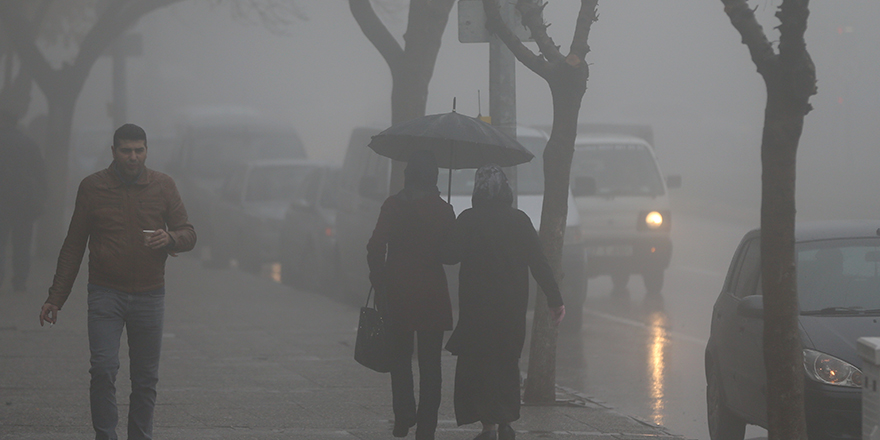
(618, 169)
(530, 175)
(214, 154)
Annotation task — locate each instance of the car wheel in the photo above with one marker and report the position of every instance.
(723, 424)
(653, 279)
(249, 257)
(287, 267)
(309, 269)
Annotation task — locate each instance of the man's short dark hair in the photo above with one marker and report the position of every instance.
(129, 132)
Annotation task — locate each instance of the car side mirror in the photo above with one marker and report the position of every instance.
(583, 186)
(673, 181)
(751, 306)
(370, 188)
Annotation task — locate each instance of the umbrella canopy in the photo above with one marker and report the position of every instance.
(458, 141)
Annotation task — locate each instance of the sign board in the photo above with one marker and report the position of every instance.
(472, 23)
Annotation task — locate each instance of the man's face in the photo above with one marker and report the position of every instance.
(130, 157)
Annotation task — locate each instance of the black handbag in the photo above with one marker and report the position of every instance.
(372, 348)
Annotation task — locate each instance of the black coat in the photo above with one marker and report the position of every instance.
(23, 186)
(496, 245)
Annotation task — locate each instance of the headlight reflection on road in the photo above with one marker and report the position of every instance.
(275, 272)
(657, 364)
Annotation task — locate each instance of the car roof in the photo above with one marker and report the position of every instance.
(833, 229)
(605, 138)
(282, 162)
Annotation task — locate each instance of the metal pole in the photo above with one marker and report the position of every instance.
(502, 86)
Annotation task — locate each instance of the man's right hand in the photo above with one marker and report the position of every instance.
(49, 313)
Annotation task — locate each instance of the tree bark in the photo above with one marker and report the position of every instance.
(412, 66)
(790, 79)
(567, 77)
(62, 87)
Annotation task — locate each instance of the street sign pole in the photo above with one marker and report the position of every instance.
(502, 63)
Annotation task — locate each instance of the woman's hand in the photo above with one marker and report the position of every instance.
(556, 314)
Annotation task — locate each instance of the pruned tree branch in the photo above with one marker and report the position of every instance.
(376, 31)
(587, 15)
(535, 62)
(742, 17)
(532, 18)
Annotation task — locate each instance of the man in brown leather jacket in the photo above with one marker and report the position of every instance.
(132, 218)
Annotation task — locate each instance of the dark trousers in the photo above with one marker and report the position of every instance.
(142, 315)
(430, 343)
(21, 231)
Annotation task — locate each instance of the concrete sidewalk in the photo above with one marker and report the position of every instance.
(243, 358)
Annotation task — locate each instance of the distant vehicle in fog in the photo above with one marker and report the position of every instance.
(309, 253)
(211, 142)
(249, 212)
(624, 204)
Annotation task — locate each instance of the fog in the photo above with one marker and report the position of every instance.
(677, 65)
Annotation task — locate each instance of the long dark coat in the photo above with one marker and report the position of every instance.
(405, 261)
(496, 245)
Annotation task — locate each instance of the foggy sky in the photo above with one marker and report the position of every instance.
(675, 64)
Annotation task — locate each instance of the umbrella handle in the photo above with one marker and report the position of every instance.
(451, 155)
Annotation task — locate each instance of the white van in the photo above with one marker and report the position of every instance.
(625, 214)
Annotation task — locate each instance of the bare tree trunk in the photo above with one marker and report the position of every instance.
(411, 66)
(790, 78)
(62, 87)
(53, 222)
(567, 78)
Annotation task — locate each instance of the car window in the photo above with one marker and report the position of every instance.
(274, 182)
(330, 190)
(748, 273)
(233, 186)
(839, 274)
(618, 169)
(529, 175)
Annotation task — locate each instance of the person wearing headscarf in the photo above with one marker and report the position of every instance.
(496, 245)
(404, 257)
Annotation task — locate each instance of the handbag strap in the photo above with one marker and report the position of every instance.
(368, 298)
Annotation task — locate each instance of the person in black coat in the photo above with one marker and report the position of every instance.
(23, 190)
(496, 245)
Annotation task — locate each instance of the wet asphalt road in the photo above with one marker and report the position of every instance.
(644, 355)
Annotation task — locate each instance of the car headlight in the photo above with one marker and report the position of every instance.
(830, 370)
(654, 221)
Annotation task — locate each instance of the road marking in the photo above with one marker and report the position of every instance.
(631, 322)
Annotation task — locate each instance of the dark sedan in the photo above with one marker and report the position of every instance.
(838, 266)
(309, 253)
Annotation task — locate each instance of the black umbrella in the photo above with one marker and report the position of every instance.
(457, 141)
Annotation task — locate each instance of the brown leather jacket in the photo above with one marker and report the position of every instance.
(111, 216)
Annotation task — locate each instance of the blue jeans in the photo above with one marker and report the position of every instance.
(142, 313)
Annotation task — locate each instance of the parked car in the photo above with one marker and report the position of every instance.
(309, 252)
(250, 210)
(838, 282)
(624, 204)
(210, 143)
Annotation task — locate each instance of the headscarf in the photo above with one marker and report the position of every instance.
(420, 175)
(491, 187)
